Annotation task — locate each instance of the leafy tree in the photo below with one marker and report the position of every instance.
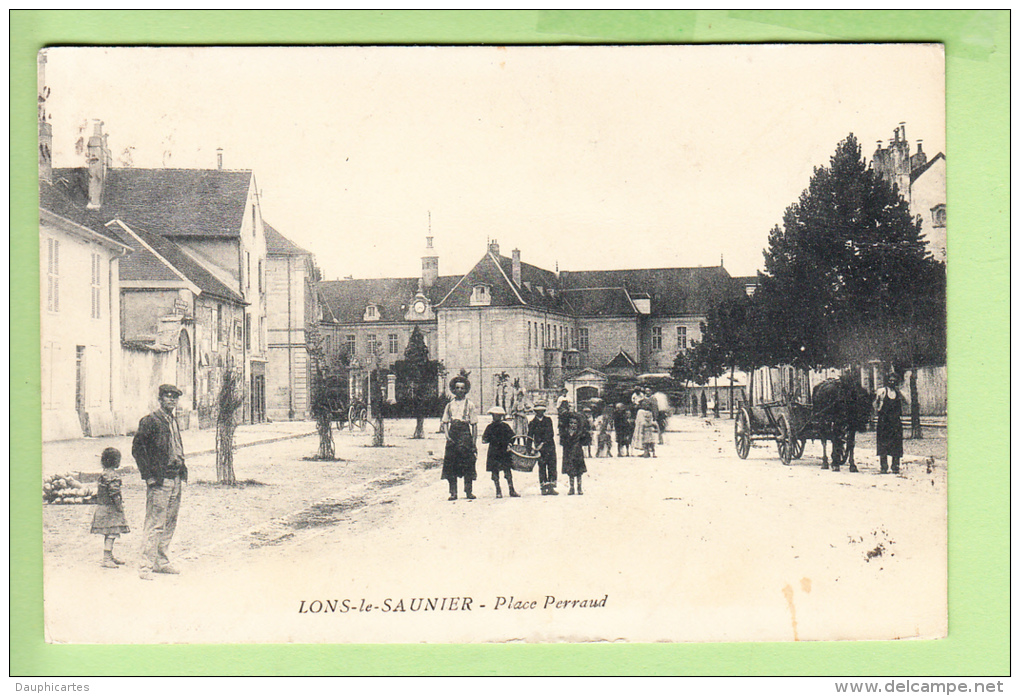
(847, 277)
(328, 390)
(417, 378)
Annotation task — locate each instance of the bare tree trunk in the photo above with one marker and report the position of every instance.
(419, 428)
(375, 413)
(225, 453)
(229, 401)
(325, 428)
(915, 408)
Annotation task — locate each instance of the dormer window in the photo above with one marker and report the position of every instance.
(540, 289)
(372, 313)
(938, 215)
(480, 295)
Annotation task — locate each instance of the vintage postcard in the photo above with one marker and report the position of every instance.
(491, 344)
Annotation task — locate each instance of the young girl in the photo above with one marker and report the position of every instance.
(499, 435)
(109, 516)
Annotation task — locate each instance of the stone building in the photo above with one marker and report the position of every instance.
(210, 222)
(79, 291)
(921, 182)
(545, 330)
(291, 304)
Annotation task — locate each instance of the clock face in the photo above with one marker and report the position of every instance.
(419, 307)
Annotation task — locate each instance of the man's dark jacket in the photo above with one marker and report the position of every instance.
(151, 449)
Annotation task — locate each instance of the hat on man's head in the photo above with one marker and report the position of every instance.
(170, 389)
(497, 411)
(539, 406)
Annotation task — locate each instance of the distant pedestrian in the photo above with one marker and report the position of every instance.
(647, 428)
(574, 432)
(624, 427)
(540, 430)
(889, 428)
(603, 428)
(108, 518)
(460, 423)
(159, 453)
(519, 409)
(589, 429)
(704, 405)
(498, 434)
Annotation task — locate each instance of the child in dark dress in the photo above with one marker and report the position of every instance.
(108, 519)
(499, 435)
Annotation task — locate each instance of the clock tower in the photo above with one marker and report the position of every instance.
(429, 266)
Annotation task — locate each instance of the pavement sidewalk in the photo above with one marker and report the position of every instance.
(82, 454)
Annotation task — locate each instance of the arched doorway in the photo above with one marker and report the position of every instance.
(585, 394)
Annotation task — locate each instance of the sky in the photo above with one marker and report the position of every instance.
(583, 157)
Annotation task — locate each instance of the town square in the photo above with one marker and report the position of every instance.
(478, 344)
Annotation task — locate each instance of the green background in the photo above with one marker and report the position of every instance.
(977, 77)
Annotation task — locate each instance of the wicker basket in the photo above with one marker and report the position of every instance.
(522, 454)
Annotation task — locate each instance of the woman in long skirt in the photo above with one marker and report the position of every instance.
(460, 423)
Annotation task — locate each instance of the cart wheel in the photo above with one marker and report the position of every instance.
(798, 448)
(742, 434)
(784, 440)
(356, 418)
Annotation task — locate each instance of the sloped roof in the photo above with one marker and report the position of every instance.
(600, 302)
(170, 202)
(278, 245)
(538, 288)
(143, 265)
(55, 199)
(673, 291)
(916, 174)
(344, 301)
(621, 360)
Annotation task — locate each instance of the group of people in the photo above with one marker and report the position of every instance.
(638, 425)
(460, 424)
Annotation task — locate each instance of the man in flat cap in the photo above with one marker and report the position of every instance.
(158, 450)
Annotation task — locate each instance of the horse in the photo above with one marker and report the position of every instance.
(841, 409)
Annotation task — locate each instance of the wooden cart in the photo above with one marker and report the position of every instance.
(790, 422)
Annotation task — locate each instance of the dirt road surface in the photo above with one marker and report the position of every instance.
(694, 545)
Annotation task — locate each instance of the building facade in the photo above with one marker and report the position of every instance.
(291, 308)
(507, 321)
(79, 323)
(921, 182)
(198, 288)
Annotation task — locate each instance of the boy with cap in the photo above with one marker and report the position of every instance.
(499, 435)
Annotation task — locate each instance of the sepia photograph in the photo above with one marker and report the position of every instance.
(487, 344)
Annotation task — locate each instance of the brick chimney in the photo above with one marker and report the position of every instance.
(219, 158)
(516, 255)
(96, 159)
(494, 247)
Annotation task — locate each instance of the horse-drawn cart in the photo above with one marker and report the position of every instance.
(833, 414)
